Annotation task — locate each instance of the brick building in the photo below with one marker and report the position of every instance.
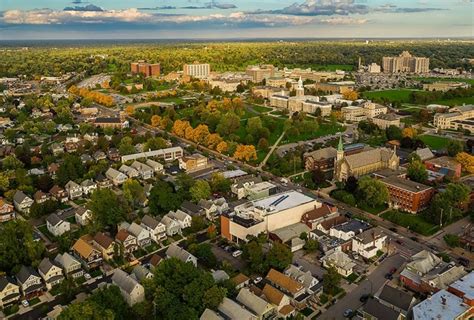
(147, 69)
(408, 195)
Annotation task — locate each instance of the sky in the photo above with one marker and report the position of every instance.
(225, 19)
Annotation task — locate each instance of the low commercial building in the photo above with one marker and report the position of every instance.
(442, 305)
(446, 165)
(168, 154)
(290, 235)
(458, 118)
(335, 87)
(463, 288)
(444, 86)
(265, 215)
(408, 195)
(383, 121)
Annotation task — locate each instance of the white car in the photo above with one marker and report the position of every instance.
(87, 276)
(25, 303)
(257, 280)
(236, 253)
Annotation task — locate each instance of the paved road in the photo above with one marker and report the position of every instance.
(372, 284)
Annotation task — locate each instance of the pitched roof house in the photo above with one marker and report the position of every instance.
(254, 303)
(127, 240)
(59, 194)
(83, 216)
(132, 291)
(73, 189)
(284, 283)
(104, 244)
(71, 266)
(29, 281)
(7, 211)
(9, 291)
(116, 176)
(174, 251)
(156, 229)
(51, 272)
(56, 225)
(22, 202)
(89, 256)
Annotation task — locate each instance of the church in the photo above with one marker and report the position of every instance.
(364, 162)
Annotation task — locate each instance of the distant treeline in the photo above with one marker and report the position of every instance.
(225, 56)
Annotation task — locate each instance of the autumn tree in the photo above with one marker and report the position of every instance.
(222, 147)
(466, 160)
(350, 95)
(409, 132)
(200, 134)
(245, 152)
(155, 120)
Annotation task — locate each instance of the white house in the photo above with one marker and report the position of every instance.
(146, 172)
(71, 266)
(88, 186)
(156, 229)
(29, 281)
(115, 176)
(129, 171)
(83, 216)
(22, 202)
(51, 272)
(305, 278)
(56, 225)
(174, 251)
(132, 291)
(341, 261)
(172, 226)
(73, 190)
(182, 217)
(142, 235)
(156, 166)
(369, 242)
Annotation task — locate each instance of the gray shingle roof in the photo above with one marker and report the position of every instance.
(150, 221)
(380, 311)
(19, 196)
(54, 219)
(396, 297)
(179, 253)
(46, 264)
(124, 281)
(4, 281)
(25, 273)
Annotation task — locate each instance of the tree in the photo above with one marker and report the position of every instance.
(252, 253)
(71, 169)
(133, 192)
(219, 183)
(416, 171)
(350, 95)
(17, 246)
(4, 181)
(318, 176)
(331, 281)
(409, 132)
(373, 192)
(393, 133)
(107, 208)
(213, 297)
(263, 144)
(311, 245)
(245, 152)
(155, 120)
(279, 256)
(163, 199)
(454, 147)
(222, 147)
(466, 160)
(200, 190)
(126, 146)
(204, 253)
(351, 184)
(154, 143)
(11, 162)
(228, 124)
(200, 134)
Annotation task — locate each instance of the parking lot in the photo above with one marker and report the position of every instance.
(222, 255)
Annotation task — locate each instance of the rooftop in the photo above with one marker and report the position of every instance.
(465, 285)
(440, 306)
(290, 232)
(406, 184)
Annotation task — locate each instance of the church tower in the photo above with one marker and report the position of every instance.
(340, 150)
(300, 88)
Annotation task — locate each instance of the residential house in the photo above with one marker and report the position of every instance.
(260, 307)
(191, 208)
(182, 217)
(317, 215)
(22, 202)
(369, 242)
(90, 257)
(99, 155)
(375, 310)
(445, 165)
(172, 226)
(128, 241)
(396, 299)
(424, 153)
(86, 158)
(310, 283)
(290, 287)
(51, 272)
(7, 211)
(56, 225)
(141, 273)
(9, 291)
(347, 230)
(427, 273)
(104, 244)
(103, 182)
(142, 235)
(88, 186)
(83, 215)
(175, 251)
(209, 314)
(115, 176)
(280, 300)
(154, 261)
(53, 169)
(113, 154)
(41, 197)
(29, 281)
(193, 163)
(341, 261)
(59, 194)
(71, 266)
(443, 305)
(145, 172)
(240, 281)
(129, 171)
(156, 166)
(219, 275)
(233, 310)
(132, 291)
(156, 229)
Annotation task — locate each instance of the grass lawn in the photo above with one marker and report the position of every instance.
(176, 100)
(434, 79)
(44, 230)
(95, 273)
(333, 67)
(456, 101)
(80, 201)
(11, 309)
(414, 222)
(34, 301)
(352, 277)
(323, 130)
(435, 142)
(152, 247)
(375, 210)
(261, 109)
(401, 95)
(307, 311)
(71, 219)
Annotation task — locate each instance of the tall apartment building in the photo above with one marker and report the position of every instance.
(258, 73)
(148, 69)
(406, 63)
(197, 70)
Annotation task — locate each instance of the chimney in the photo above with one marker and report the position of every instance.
(443, 301)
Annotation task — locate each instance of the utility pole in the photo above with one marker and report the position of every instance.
(441, 218)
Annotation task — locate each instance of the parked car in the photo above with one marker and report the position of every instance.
(257, 280)
(389, 276)
(363, 298)
(87, 276)
(236, 253)
(464, 261)
(25, 303)
(347, 313)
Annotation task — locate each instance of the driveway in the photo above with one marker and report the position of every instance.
(307, 263)
(222, 255)
(373, 283)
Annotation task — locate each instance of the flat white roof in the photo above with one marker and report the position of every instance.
(443, 305)
(233, 173)
(466, 285)
(261, 186)
(282, 201)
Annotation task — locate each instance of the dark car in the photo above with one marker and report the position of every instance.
(363, 298)
(464, 261)
(393, 270)
(389, 276)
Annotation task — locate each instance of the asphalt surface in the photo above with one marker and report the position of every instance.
(371, 284)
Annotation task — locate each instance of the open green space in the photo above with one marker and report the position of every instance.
(323, 130)
(402, 95)
(373, 210)
(176, 100)
(332, 67)
(435, 142)
(414, 222)
(434, 79)
(455, 101)
(261, 109)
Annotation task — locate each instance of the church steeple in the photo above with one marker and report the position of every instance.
(300, 88)
(340, 150)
